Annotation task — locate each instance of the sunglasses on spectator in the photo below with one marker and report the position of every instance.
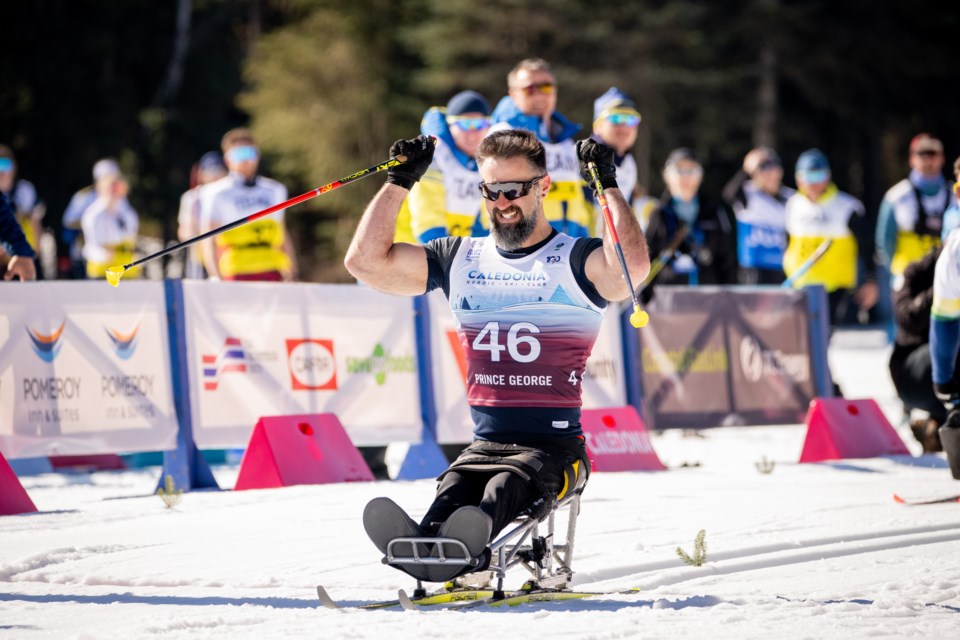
(686, 172)
(509, 190)
(469, 124)
(245, 153)
(627, 119)
(814, 176)
(768, 164)
(927, 153)
(545, 88)
(6, 164)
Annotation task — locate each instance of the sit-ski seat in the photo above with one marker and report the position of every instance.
(547, 559)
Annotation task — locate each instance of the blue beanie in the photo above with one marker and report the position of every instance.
(468, 102)
(812, 160)
(613, 100)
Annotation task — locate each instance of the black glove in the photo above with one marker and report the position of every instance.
(418, 154)
(589, 150)
(948, 393)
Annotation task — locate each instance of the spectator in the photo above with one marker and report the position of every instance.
(951, 217)
(819, 210)
(105, 170)
(446, 201)
(110, 227)
(210, 168)
(23, 196)
(910, 366)
(615, 124)
(910, 221)
(21, 264)
(757, 196)
(707, 253)
(258, 250)
(531, 105)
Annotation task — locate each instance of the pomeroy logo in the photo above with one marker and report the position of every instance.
(47, 346)
(230, 359)
(312, 364)
(559, 245)
(124, 344)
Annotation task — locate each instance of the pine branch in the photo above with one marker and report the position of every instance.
(699, 551)
(169, 493)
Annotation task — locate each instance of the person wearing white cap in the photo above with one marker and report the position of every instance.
(105, 169)
(616, 122)
(110, 226)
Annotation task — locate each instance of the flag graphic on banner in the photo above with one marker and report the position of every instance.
(230, 359)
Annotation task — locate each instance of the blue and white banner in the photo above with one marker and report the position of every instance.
(84, 369)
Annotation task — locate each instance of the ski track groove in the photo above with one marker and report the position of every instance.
(814, 553)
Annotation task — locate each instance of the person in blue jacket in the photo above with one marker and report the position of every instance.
(21, 263)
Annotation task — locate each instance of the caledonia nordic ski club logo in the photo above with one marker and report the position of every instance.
(124, 344)
(230, 359)
(312, 364)
(47, 346)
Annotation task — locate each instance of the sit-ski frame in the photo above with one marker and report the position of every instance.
(548, 562)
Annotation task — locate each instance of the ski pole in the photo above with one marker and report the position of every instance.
(807, 264)
(639, 317)
(115, 273)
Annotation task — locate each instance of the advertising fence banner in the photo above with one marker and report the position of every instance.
(603, 384)
(84, 368)
(716, 356)
(258, 350)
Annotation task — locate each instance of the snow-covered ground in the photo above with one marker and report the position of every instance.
(807, 551)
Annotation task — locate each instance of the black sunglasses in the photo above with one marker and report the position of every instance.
(510, 190)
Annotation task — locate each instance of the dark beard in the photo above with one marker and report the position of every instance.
(512, 237)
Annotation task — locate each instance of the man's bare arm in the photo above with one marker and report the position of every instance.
(603, 267)
(374, 258)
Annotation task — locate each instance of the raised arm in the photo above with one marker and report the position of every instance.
(603, 267)
(373, 257)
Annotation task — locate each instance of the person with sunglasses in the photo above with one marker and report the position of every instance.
(445, 202)
(531, 105)
(758, 198)
(528, 302)
(616, 123)
(910, 220)
(21, 264)
(23, 196)
(694, 234)
(259, 250)
(818, 211)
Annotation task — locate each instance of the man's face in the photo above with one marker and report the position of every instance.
(513, 222)
(534, 93)
(468, 131)
(243, 158)
(768, 177)
(813, 183)
(928, 162)
(683, 179)
(618, 131)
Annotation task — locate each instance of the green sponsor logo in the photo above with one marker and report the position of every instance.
(380, 364)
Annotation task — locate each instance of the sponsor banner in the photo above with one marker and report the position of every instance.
(713, 356)
(603, 384)
(84, 369)
(259, 349)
